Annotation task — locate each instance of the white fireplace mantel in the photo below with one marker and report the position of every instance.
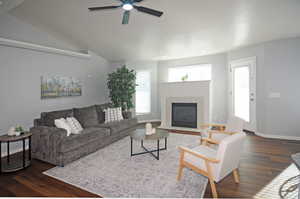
(185, 92)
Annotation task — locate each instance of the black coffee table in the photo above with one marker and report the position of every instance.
(140, 135)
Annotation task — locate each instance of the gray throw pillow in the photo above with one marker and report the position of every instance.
(100, 111)
(101, 114)
(86, 116)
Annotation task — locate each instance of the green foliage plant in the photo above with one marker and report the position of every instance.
(122, 87)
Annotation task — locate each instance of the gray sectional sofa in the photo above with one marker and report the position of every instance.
(52, 145)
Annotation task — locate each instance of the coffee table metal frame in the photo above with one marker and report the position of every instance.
(152, 152)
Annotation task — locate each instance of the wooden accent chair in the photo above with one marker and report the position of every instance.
(234, 125)
(214, 164)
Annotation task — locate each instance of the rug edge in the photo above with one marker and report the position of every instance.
(78, 186)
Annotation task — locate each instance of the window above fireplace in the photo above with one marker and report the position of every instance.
(200, 72)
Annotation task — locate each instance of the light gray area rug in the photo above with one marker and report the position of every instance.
(111, 172)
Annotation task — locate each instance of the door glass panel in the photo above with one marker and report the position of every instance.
(242, 93)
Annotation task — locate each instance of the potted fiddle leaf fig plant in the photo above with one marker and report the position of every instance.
(122, 87)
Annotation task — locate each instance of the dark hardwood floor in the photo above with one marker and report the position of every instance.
(31, 182)
(262, 160)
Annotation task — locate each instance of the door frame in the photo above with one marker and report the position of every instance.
(251, 61)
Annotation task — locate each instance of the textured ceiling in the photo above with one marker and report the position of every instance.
(188, 28)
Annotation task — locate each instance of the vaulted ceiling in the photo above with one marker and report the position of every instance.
(188, 28)
(7, 5)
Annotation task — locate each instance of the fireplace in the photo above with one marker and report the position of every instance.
(184, 115)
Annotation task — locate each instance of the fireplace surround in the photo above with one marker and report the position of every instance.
(187, 93)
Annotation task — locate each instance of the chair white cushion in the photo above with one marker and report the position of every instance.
(76, 127)
(198, 162)
(113, 114)
(235, 124)
(63, 124)
(219, 136)
(229, 153)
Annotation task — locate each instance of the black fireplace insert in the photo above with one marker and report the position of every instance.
(184, 115)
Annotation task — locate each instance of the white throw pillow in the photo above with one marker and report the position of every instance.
(76, 127)
(63, 124)
(113, 114)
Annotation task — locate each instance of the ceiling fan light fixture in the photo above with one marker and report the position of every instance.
(127, 6)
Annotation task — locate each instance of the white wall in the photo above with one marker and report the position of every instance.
(278, 70)
(218, 83)
(21, 70)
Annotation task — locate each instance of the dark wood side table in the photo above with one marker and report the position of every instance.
(15, 166)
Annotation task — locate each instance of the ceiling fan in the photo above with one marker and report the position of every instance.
(128, 5)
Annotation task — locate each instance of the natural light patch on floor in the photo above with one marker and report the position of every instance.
(288, 178)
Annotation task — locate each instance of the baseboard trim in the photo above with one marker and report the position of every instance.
(146, 121)
(277, 136)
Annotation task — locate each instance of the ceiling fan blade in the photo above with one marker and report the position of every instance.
(137, 1)
(104, 8)
(149, 11)
(126, 17)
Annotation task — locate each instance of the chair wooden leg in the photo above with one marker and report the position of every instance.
(213, 188)
(236, 176)
(180, 170)
(204, 143)
(180, 165)
(211, 180)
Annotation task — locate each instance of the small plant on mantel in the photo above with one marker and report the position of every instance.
(184, 78)
(121, 85)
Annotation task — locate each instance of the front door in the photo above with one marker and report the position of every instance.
(242, 91)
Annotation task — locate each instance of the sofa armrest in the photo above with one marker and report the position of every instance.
(47, 143)
(45, 130)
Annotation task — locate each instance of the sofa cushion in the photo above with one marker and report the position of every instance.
(49, 117)
(116, 127)
(85, 137)
(100, 111)
(86, 116)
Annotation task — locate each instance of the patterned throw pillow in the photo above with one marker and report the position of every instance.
(113, 114)
(63, 124)
(76, 127)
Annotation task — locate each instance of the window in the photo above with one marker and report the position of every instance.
(242, 92)
(190, 73)
(143, 92)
